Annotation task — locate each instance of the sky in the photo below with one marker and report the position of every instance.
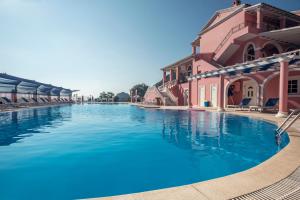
(103, 45)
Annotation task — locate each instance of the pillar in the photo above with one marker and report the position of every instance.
(34, 96)
(259, 19)
(221, 94)
(164, 77)
(171, 75)
(14, 97)
(177, 74)
(283, 89)
(190, 94)
(282, 22)
(49, 96)
(194, 49)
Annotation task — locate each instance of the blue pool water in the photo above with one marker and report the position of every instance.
(85, 151)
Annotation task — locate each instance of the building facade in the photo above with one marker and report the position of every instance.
(245, 51)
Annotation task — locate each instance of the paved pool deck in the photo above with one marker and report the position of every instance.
(267, 173)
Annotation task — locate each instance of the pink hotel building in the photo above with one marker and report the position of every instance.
(251, 50)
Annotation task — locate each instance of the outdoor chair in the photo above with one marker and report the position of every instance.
(243, 104)
(271, 104)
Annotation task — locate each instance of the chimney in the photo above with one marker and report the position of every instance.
(236, 3)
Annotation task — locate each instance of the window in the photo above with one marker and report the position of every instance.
(250, 53)
(293, 87)
(189, 71)
(250, 91)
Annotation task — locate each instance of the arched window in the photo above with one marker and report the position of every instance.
(249, 53)
(269, 50)
(250, 92)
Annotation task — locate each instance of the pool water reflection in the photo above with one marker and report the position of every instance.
(82, 151)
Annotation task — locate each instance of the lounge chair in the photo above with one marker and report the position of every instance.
(40, 100)
(271, 104)
(7, 103)
(34, 100)
(6, 100)
(244, 104)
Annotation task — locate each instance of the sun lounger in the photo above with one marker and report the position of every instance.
(271, 104)
(244, 104)
(40, 100)
(6, 100)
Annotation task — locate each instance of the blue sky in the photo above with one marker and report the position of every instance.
(104, 45)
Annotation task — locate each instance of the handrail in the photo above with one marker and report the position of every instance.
(172, 96)
(283, 127)
(229, 34)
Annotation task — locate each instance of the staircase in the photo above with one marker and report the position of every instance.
(168, 97)
(167, 100)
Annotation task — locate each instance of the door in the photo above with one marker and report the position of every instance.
(201, 96)
(214, 95)
(185, 97)
(250, 91)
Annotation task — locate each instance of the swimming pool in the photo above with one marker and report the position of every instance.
(83, 151)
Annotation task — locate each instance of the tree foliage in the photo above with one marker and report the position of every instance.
(141, 89)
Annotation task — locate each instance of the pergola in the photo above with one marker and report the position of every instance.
(280, 62)
(260, 65)
(16, 85)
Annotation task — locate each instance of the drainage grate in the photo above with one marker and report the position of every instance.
(286, 189)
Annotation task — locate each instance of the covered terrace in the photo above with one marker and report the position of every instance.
(20, 90)
(277, 76)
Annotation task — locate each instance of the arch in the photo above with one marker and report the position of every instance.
(249, 52)
(269, 78)
(270, 48)
(236, 79)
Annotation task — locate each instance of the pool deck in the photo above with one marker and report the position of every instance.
(267, 173)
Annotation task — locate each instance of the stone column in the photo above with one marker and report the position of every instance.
(164, 77)
(221, 94)
(190, 94)
(177, 74)
(259, 19)
(171, 75)
(283, 89)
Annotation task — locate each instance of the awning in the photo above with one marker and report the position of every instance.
(290, 35)
(263, 64)
(10, 83)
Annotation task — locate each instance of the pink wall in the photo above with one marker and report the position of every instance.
(271, 90)
(180, 92)
(210, 40)
(151, 95)
(202, 66)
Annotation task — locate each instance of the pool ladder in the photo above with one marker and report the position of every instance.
(287, 123)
